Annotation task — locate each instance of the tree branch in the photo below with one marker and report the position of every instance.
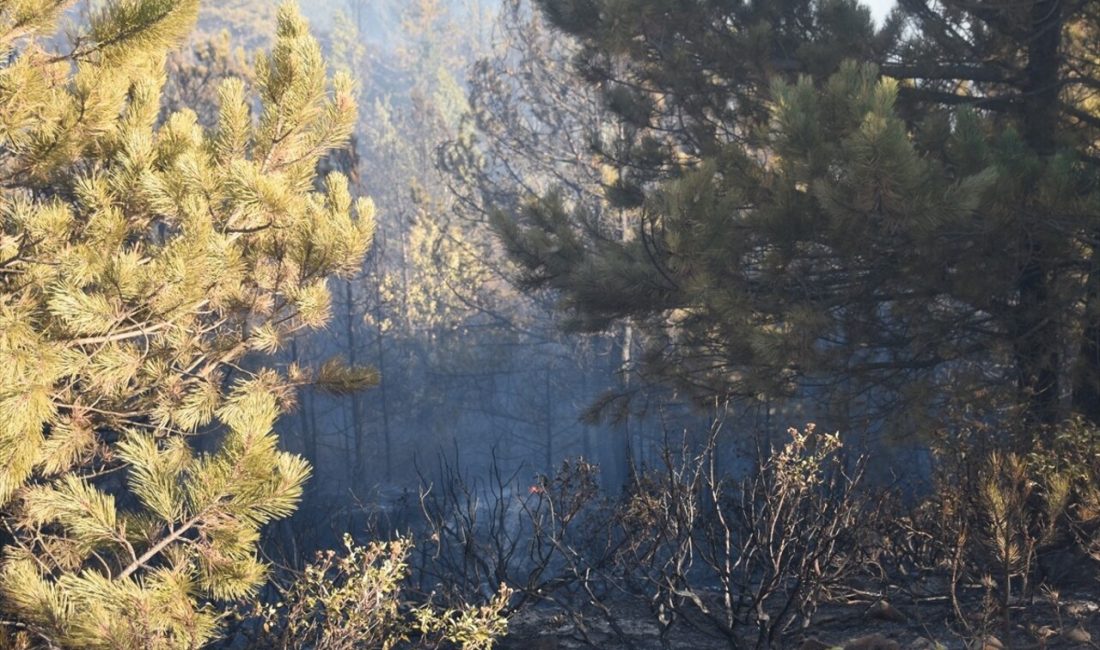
(959, 71)
(158, 547)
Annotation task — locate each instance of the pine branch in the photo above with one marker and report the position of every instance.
(159, 546)
(121, 336)
(951, 71)
(1000, 103)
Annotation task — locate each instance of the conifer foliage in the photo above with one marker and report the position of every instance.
(887, 221)
(143, 269)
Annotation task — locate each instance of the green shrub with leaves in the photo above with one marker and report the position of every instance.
(355, 600)
(143, 267)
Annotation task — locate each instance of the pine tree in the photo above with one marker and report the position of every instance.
(897, 219)
(533, 122)
(144, 271)
(434, 316)
(1027, 72)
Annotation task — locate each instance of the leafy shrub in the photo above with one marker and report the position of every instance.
(355, 599)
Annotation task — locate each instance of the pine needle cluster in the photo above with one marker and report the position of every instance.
(144, 267)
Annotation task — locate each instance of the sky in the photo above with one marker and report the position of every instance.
(879, 8)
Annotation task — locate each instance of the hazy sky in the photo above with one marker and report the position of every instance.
(879, 8)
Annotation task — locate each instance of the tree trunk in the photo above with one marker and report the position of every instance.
(356, 400)
(549, 423)
(1037, 337)
(380, 349)
(309, 432)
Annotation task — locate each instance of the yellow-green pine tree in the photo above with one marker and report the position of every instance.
(143, 269)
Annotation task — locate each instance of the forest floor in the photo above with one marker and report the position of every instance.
(911, 621)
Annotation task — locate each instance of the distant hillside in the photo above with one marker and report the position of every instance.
(251, 23)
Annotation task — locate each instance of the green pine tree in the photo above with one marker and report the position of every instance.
(143, 270)
(895, 220)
